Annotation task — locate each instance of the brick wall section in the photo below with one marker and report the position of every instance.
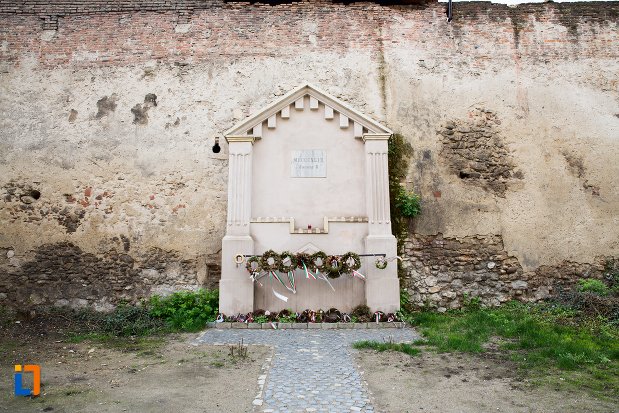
(130, 32)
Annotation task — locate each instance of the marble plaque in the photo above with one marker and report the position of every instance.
(309, 163)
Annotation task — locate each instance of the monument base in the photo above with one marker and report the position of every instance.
(382, 287)
(236, 290)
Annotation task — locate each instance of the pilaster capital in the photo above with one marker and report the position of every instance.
(240, 138)
(376, 136)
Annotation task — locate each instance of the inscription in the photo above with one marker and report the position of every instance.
(309, 163)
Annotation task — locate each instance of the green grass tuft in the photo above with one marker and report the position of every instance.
(378, 346)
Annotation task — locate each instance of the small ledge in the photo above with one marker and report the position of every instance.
(295, 230)
(305, 326)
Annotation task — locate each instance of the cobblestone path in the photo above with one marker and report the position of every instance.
(311, 370)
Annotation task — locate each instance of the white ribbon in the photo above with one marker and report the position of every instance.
(280, 296)
(324, 277)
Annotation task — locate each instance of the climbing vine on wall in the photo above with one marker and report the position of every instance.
(404, 204)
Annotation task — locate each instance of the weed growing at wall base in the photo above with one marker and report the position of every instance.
(593, 286)
(186, 310)
(181, 311)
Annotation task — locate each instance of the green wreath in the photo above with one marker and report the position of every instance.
(323, 261)
(349, 268)
(306, 258)
(381, 263)
(293, 262)
(334, 266)
(253, 259)
(264, 261)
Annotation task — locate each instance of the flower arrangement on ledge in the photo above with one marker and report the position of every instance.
(317, 266)
(313, 265)
(360, 314)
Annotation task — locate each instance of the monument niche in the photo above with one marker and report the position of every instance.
(308, 174)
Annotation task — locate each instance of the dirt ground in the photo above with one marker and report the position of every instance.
(460, 383)
(151, 375)
(168, 374)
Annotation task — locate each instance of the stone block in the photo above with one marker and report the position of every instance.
(254, 326)
(345, 325)
(329, 326)
(284, 326)
(314, 325)
(239, 325)
(360, 326)
(269, 326)
(299, 326)
(373, 325)
(223, 325)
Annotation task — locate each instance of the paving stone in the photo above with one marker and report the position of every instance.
(311, 368)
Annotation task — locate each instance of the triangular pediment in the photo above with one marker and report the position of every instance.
(308, 248)
(294, 101)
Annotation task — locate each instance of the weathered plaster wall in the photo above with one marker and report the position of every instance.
(109, 110)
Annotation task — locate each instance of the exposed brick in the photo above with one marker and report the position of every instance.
(479, 33)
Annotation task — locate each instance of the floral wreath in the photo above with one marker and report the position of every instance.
(356, 262)
(304, 258)
(249, 264)
(323, 261)
(287, 267)
(264, 261)
(381, 263)
(334, 266)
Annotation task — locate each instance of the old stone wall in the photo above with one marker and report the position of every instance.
(443, 273)
(109, 188)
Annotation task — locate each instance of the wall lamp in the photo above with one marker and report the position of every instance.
(216, 147)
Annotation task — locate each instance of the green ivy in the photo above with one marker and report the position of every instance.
(408, 203)
(404, 204)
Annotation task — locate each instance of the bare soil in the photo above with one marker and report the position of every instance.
(157, 374)
(462, 383)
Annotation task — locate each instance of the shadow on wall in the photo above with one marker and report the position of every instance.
(62, 274)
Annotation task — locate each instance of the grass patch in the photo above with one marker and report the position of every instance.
(142, 345)
(183, 311)
(388, 346)
(545, 341)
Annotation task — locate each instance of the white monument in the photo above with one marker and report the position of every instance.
(308, 173)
